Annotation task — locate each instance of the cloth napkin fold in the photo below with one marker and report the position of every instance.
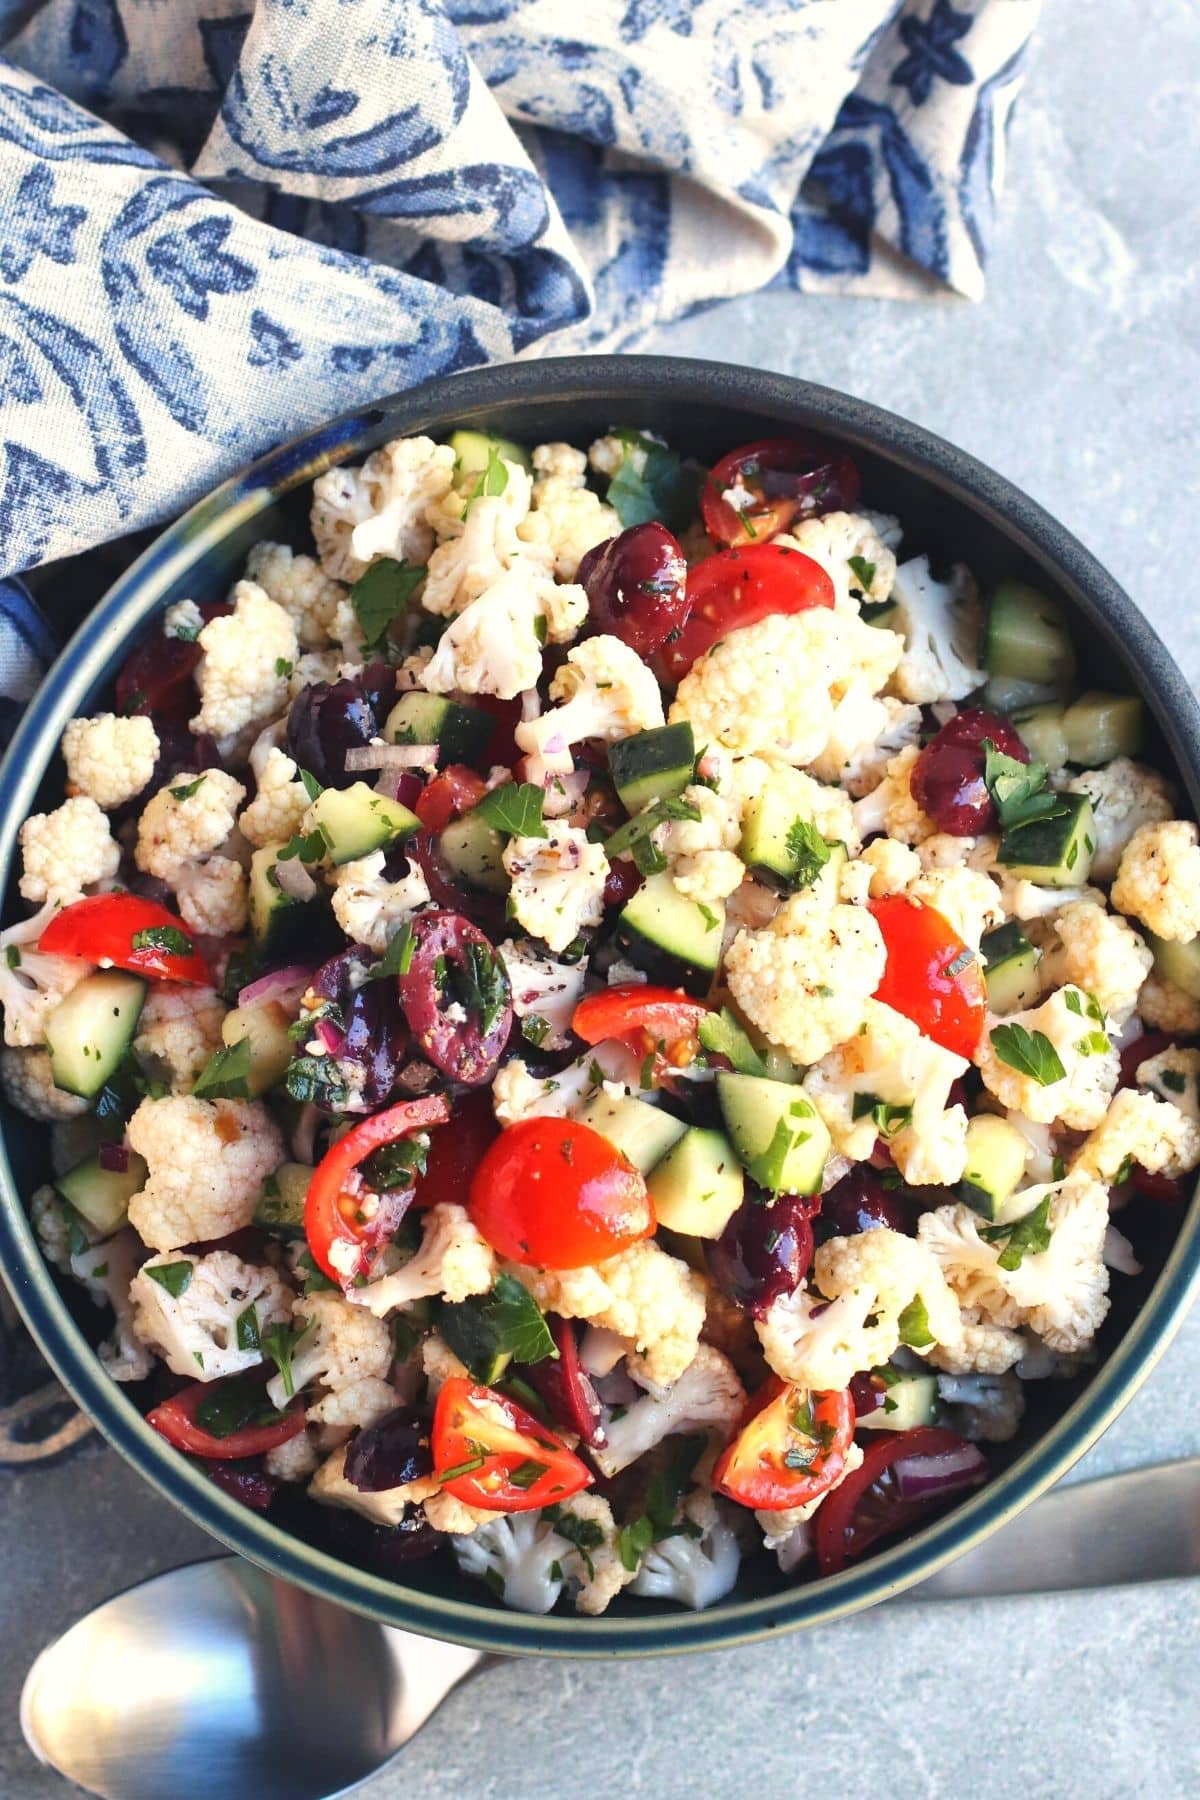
(224, 220)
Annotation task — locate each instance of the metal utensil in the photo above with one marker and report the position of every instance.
(219, 1679)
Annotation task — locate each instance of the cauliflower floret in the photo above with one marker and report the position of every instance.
(609, 1066)
(605, 691)
(107, 1270)
(642, 1294)
(867, 731)
(293, 1461)
(478, 533)
(1041, 1147)
(353, 1408)
(183, 620)
(27, 1082)
(986, 1407)
(66, 852)
(1174, 1075)
(32, 983)
(207, 1159)
(697, 1567)
(557, 883)
(109, 759)
(568, 519)
(371, 909)
(243, 672)
(943, 851)
(1024, 900)
(301, 587)
(1124, 795)
(1168, 1008)
(805, 979)
(870, 1281)
(544, 989)
(178, 1030)
(969, 1264)
(1073, 1025)
(889, 868)
(439, 1363)
(1101, 953)
(741, 780)
(311, 667)
(787, 1533)
(48, 1216)
(342, 1345)
(707, 1394)
(701, 851)
(185, 821)
(1139, 1128)
(890, 807)
(277, 809)
(1158, 879)
(494, 646)
(379, 509)
(522, 1558)
(212, 896)
(942, 624)
(453, 1261)
(193, 1324)
(968, 901)
(831, 540)
(607, 454)
(984, 1349)
(383, 1506)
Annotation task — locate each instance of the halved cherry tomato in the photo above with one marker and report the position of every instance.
(931, 976)
(736, 588)
(790, 1447)
(454, 1155)
(555, 1194)
(657, 1020)
(868, 1506)
(346, 1225)
(123, 931)
(787, 479)
(175, 1420)
(456, 790)
(489, 1452)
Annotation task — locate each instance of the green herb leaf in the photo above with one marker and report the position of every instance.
(309, 846)
(492, 480)
(226, 1074)
(12, 956)
(634, 1540)
(514, 807)
(1029, 1052)
(526, 1473)
(808, 850)
(232, 1405)
(914, 1325)
(381, 595)
(188, 789)
(78, 1240)
(663, 1495)
(889, 1116)
(398, 1164)
(283, 667)
(175, 1277)
(506, 1322)
(247, 1330)
(397, 958)
(665, 489)
(312, 786)
(315, 1280)
(864, 571)
(319, 1079)
(1018, 789)
(638, 829)
(721, 1034)
(481, 984)
(280, 1345)
(168, 938)
(1027, 1236)
(535, 1029)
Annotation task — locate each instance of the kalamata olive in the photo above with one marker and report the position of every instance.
(867, 1392)
(456, 997)
(947, 778)
(367, 1035)
(636, 586)
(567, 1388)
(764, 1251)
(859, 1202)
(325, 721)
(253, 1487)
(385, 1548)
(390, 1453)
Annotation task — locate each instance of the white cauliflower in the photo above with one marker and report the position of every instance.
(438, 1363)
(969, 1263)
(941, 850)
(604, 690)
(494, 646)
(983, 1407)
(27, 1082)
(871, 1282)
(888, 868)
(453, 1261)
(31, 982)
(303, 589)
(642, 1294)
(831, 540)
(207, 1159)
(213, 896)
(557, 883)
(109, 759)
(707, 1395)
(383, 1506)
(294, 1460)
(866, 731)
(522, 1558)
(1125, 795)
(1158, 879)
(1071, 1026)
(1101, 953)
(544, 989)
(891, 807)
(740, 780)
(805, 979)
(1166, 1007)
(379, 509)
(610, 1067)
(185, 821)
(567, 519)
(968, 901)
(48, 1216)
(1025, 900)
(942, 624)
(342, 1346)
(371, 909)
(279, 805)
(352, 1408)
(192, 1323)
(179, 1028)
(984, 1349)
(183, 620)
(107, 1270)
(66, 852)
(1142, 1129)
(1174, 1075)
(701, 852)
(697, 1567)
(247, 657)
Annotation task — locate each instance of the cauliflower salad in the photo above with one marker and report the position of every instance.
(604, 1018)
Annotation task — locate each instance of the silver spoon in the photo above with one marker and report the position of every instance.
(218, 1679)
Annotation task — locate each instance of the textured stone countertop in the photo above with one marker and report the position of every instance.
(1079, 377)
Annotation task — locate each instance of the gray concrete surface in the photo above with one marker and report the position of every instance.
(1078, 377)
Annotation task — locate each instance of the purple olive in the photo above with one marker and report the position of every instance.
(636, 587)
(456, 997)
(390, 1453)
(860, 1202)
(764, 1251)
(385, 1548)
(329, 718)
(368, 1032)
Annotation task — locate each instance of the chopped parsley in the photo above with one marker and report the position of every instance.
(807, 852)
(664, 487)
(663, 1495)
(863, 571)
(397, 958)
(226, 1074)
(515, 807)
(914, 1325)
(888, 1116)
(505, 1323)
(1029, 1052)
(280, 1345)
(319, 1079)
(232, 1405)
(168, 938)
(1027, 1236)
(491, 480)
(381, 595)
(535, 1029)
(174, 1277)
(636, 833)
(396, 1165)
(247, 1330)
(312, 786)
(188, 789)
(1018, 789)
(722, 1035)
(283, 667)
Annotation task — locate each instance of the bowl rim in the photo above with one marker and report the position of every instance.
(625, 380)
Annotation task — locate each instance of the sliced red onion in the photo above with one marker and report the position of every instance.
(283, 985)
(924, 1477)
(1118, 1253)
(616, 1388)
(391, 756)
(404, 785)
(114, 1158)
(333, 1039)
(294, 879)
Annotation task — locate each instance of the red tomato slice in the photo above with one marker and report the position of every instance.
(788, 479)
(658, 1019)
(344, 1222)
(736, 588)
(489, 1452)
(455, 1155)
(789, 1448)
(175, 1420)
(931, 976)
(124, 932)
(867, 1506)
(555, 1194)
(456, 790)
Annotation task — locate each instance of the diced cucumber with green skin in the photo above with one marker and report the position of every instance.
(1055, 852)
(1028, 636)
(279, 924)
(777, 1132)
(995, 1164)
(641, 1132)
(265, 1027)
(280, 1206)
(652, 765)
(1099, 727)
(1005, 694)
(910, 1400)
(698, 1185)
(666, 934)
(771, 849)
(100, 1195)
(473, 448)
(1010, 968)
(89, 1032)
(881, 613)
(462, 732)
(473, 850)
(356, 820)
(1175, 962)
(1040, 729)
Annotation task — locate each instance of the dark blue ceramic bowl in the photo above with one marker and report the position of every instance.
(950, 505)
